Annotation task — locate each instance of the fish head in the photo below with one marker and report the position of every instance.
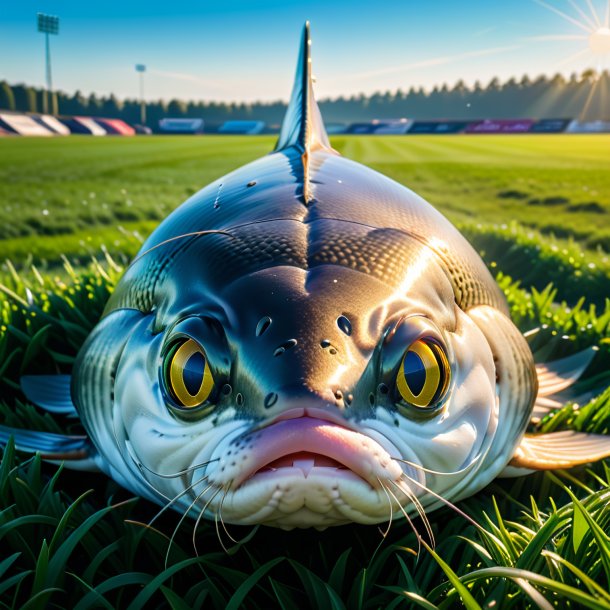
(302, 397)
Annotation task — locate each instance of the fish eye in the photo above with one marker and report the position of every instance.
(424, 374)
(187, 374)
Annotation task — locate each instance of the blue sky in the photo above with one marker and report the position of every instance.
(236, 50)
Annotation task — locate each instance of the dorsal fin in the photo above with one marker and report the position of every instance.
(303, 127)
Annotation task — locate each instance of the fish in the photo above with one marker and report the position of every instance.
(306, 343)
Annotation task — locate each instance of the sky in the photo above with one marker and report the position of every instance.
(234, 50)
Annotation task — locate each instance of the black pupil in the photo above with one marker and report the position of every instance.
(415, 373)
(193, 373)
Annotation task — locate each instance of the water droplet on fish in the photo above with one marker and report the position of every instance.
(285, 347)
(263, 325)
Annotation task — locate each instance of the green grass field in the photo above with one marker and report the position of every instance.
(74, 194)
(537, 210)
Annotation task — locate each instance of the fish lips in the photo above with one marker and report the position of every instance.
(309, 440)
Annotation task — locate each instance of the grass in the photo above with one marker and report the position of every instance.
(79, 542)
(75, 194)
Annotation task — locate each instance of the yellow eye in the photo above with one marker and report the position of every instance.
(188, 375)
(424, 374)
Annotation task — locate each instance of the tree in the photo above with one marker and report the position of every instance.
(176, 108)
(112, 107)
(25, 98)
(516, 98)
(7, 99)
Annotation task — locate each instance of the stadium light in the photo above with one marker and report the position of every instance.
(48, 24)
(140, 69)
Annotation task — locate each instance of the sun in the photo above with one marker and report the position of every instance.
(595, 51)
(599, 41)
(594, 32)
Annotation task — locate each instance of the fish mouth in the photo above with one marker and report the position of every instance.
(306, 468)
(307, 445)
(305, 461)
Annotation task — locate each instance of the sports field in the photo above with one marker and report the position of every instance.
(535, 207)
(70, 195)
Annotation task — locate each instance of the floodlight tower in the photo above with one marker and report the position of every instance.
(140, 69)
(48, 24)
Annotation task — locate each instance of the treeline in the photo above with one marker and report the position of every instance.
(581, 96)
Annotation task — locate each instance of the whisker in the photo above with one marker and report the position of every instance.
(186, 512)
(450, 504)
(409, 521)
(224, 527)
(171, 239)
(430, 471)
(201, 514)
(177, 497)
(387, 531)
(222, 544)
(420, 511)
(173, 475)
(135, 461)
(195, 528)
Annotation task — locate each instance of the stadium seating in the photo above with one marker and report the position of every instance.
(437, 127)
(116, 127)
(16, 123)
(242, 127)
(360, 128)
(84, 125)
(392, 127)
(50, 122)
(550, 126)
(506, 126)
(23, 125)
(588, 127)
(176, 126)
(379, 127)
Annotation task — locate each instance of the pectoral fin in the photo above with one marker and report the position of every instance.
(49, 392)
(77, 451)
(560, 374)
(555, 377)
(557, 450)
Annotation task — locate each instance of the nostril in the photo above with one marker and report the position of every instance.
(270, 400)
(344, 325)
(284, 347)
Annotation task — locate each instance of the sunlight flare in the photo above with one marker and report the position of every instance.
(596, 52)
(599, 41)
